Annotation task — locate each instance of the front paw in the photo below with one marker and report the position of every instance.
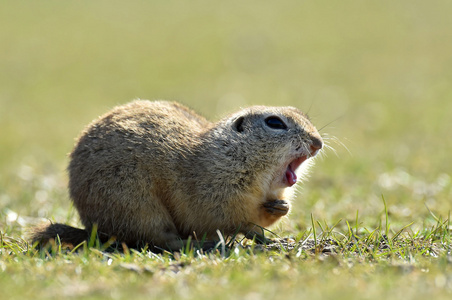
(277, 208)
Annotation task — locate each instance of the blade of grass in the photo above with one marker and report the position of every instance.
(356, 225)
(314, 232)
(386, 216)
(401, 230)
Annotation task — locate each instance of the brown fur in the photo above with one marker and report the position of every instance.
(156, 172)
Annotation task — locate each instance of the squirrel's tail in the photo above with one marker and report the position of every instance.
(67, 235)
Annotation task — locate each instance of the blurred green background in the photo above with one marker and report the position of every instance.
(376, 74)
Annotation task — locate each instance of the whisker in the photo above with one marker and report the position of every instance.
(306, 149)
(310, 106)
(339, 142)
(329, 123)
(328, 139)
(328, 147)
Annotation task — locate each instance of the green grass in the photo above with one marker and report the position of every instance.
(376, 73)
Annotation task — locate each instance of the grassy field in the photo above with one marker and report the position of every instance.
(376, 76)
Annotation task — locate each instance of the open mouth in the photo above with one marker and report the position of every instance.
(289, 176)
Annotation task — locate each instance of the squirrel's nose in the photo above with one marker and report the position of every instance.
(316, 145)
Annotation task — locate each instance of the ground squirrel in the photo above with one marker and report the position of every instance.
(157, 172)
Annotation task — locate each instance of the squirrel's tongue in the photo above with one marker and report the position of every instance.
(291, 177)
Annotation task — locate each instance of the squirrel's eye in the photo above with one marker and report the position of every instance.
(275, 123)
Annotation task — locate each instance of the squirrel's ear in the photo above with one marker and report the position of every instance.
(237, 125)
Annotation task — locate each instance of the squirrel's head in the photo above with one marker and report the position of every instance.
(275, 139)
